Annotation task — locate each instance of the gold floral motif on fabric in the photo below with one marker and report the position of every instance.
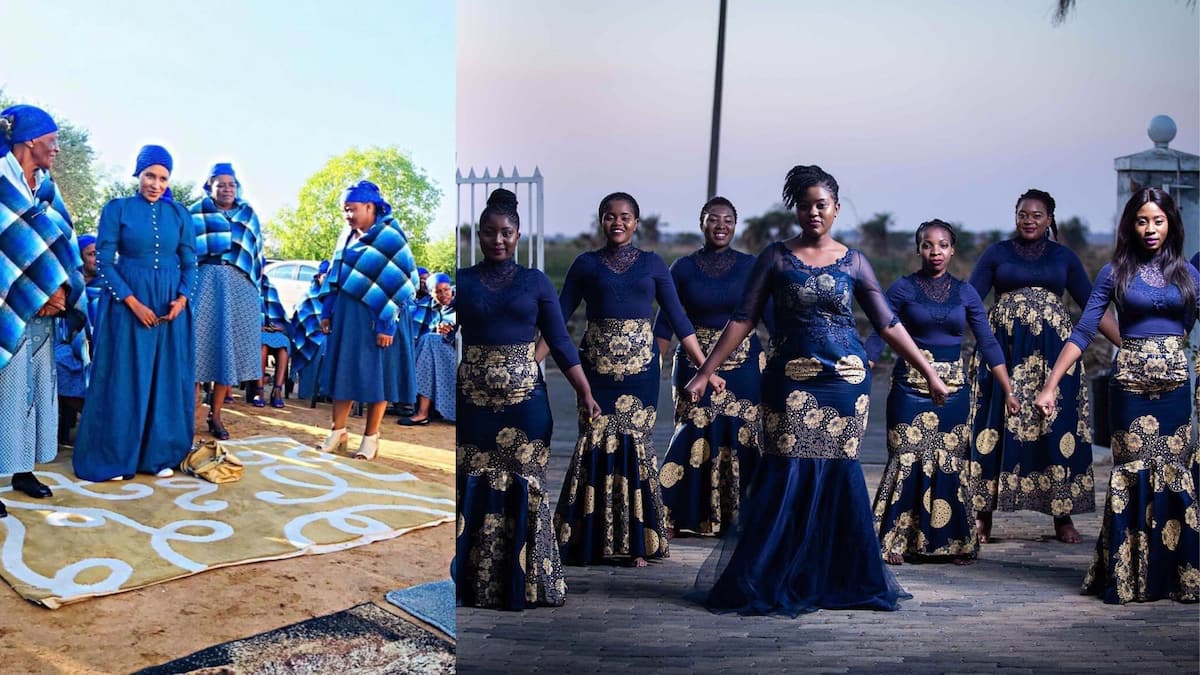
(1052, 491)
(619, 347)
(724, 473)
(803, 368)
(720, 403)
(497, 376)
(805, 429)
(1151, 366)
(951, 372)
(1033, 307)
(1030, 424)
(919, 446)
(707, 337)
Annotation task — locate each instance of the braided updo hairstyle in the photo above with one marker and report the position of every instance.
(801, 178)
(501, 203)
(1045, 198)
(929, 225)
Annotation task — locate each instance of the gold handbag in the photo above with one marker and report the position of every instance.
(212, 462)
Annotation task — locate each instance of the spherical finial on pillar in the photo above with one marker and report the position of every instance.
(1161, 130)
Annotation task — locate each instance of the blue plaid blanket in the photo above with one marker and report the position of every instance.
(377, 269)
(38, 254)
(272, 306)
(307, 338)
(236, 239)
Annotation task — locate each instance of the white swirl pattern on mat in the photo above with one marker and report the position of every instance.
(305, 463)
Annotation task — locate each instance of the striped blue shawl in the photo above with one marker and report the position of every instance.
(377, 269)
(307, 338)
(38, 254)
(272, 306)
(236, 239)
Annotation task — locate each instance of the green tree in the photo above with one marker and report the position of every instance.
(74, 171)
(774, 225)
(874, 232)
(309, 230)
(1073, 233)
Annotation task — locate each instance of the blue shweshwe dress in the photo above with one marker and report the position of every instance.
(506, 554)
(140, 404)
(1014, 458)
(435, 363)
(355, 367)
(806, 538)
(715, 446)
(922, 507)
(611, 502)
(1149, 544)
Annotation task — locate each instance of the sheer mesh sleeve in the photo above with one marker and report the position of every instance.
(572, 289)
(1078, 283)
(869, 294)
(758, 285)
(553, 328)
(898, 296)
(984, 274)
(985, 339)
(668, 299)
(1085, 330)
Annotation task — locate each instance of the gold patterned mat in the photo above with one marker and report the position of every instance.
(94, 539)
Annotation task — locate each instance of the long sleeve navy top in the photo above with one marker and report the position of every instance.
(1008, 265)
(1147, 310)
(623, 295)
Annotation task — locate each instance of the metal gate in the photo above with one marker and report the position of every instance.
(530, 205)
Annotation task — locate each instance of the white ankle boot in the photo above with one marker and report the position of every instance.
(336, 441)
(369, 447)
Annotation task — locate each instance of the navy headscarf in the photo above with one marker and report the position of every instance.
(366, 192)
(150, 155)
(25, 123)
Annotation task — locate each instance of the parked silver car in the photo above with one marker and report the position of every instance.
(292, 279)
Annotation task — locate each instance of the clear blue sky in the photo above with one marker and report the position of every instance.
(275, 87)
(935, 108)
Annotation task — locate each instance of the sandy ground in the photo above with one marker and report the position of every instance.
(127, 631)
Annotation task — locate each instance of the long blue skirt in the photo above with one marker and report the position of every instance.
(806, 538)
(228, 322)
(435, 373)
(355, 368)
(138, 417)
(506, 555)
(1026, 462)
(406, 374)
(922, 507)
(611, 501)
(716, 442)
(1149, 544)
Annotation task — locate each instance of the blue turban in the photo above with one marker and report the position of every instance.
(27, 123)
(86, 240)
(421, 271)
(221, 169)
(366, 192)
(150, 155)
(442, 278)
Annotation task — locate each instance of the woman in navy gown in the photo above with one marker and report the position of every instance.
(506, 555)
(141, 401)
(1025, 461)
(1149, 545)
(806, 538)
(715, 445)
(922, 508)
(611, 502)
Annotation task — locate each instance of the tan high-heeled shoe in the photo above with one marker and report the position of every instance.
(369, 447)
(336, 441)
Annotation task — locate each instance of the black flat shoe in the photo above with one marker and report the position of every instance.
(29, 484)
(217, 430)
(410, 422)
(3, 510)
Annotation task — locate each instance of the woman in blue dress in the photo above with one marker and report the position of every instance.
(611, 502)
(506, 555)
(715, 444)
(229, 259)
(1013, 459)
(371, 280)
(40, 283)
(806, 538)
(1149, 544)
(140, 405)
(435, 357)
(922, 508)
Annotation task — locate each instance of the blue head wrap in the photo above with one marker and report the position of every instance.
(366, 192)
(421, 271)
(86, 240)
(221, 169)
(26, 122)
(442, 278)
(323, 268)
(150, 155)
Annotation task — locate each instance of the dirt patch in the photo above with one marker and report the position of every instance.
(127, 631)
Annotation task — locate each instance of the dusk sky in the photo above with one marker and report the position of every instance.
(929, 109)
(275, 86)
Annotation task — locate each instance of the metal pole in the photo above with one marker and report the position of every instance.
(715, 143)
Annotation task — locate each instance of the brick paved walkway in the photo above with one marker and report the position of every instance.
(1016, 610)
